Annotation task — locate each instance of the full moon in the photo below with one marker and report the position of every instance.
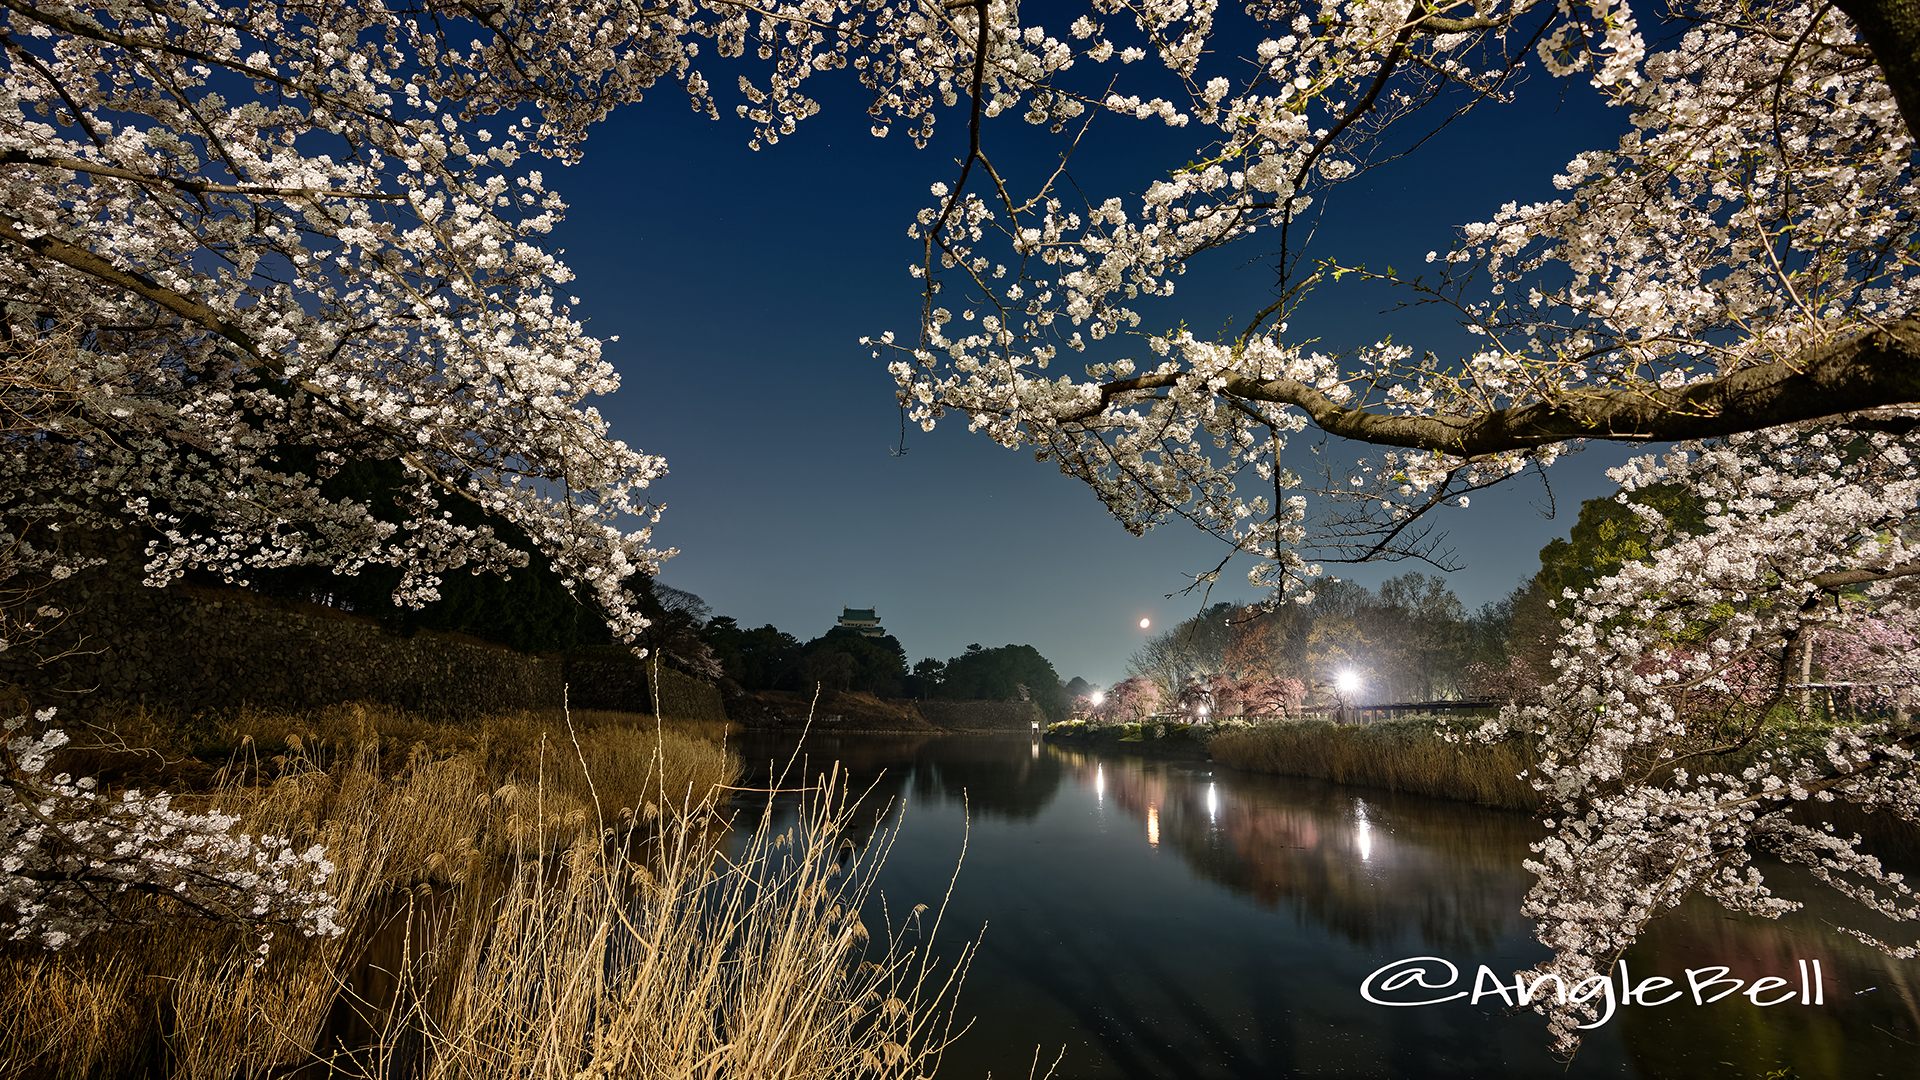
(1144, 623)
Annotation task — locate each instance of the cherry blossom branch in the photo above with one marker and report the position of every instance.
(1867, 371)
(191, 184)
(70, 856)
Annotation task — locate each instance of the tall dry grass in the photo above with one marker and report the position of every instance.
(522, 899)
(1401, 755)
(695, 964)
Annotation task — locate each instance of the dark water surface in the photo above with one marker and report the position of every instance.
(1175, 919)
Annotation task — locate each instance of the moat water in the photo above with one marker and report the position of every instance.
(1152, 919)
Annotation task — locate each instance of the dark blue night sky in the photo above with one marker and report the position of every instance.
(739, 283)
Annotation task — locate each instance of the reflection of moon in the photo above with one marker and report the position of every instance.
(1144, 623)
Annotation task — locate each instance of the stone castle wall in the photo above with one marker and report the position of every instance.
(217, 648)
(983, 715)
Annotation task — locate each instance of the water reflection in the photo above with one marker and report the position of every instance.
(1172, 920)
(1330, 850)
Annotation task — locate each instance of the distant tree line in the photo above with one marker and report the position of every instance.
(530, 610)
(772, 659)
(768, 658)
(1409, 640)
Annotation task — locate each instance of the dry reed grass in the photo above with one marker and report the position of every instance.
(1401, 755)
(519, 900)
(693, 963)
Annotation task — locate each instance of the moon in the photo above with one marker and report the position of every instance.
(1144, 623)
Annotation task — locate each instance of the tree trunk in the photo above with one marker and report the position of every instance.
(1806, 674)
(1892, 30)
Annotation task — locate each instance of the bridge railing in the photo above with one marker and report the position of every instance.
(1360, 714)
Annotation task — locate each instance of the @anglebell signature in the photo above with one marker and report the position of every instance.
(1413, 981)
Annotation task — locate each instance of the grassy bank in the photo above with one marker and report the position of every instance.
(1401, 755)
(1405, 755)
(830, 710)
(509, 912)
(1164, 739)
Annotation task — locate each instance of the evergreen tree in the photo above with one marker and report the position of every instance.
(1008, 673)
(762, 659)
(877, 665)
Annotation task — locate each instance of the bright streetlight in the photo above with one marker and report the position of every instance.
(1347, 681)
(1098, 697)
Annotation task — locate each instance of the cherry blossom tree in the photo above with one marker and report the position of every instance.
(1129, 700)
(1195, 698)
(1736, 275)
(244, 245)
(1765, 278)
(256, 241)
(1674, 739)
(1276, 697)
(1871, 660)
(1228, 696)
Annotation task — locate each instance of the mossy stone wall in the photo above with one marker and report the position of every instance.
(214, 648)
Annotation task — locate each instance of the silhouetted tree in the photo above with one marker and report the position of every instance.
(926, 679)
(877, 665)
(762, 659)
(1008, 673)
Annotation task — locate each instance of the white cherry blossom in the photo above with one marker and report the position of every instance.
(71, 856)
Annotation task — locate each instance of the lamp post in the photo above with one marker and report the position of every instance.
(1346, 684)
(1094, 700)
